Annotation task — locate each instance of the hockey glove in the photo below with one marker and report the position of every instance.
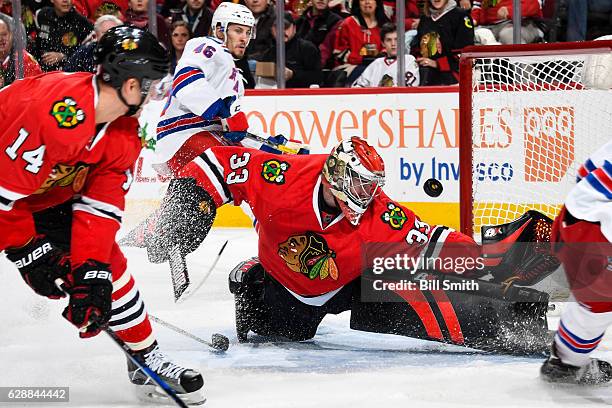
(235, 127)
(40, 264)
(185, 218)
(90, 287)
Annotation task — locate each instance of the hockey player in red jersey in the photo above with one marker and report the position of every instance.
(69, 143)
(317, 217)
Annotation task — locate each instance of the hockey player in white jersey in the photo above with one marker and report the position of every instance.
(203, 108)
(582, 240)
(583, 234)
(383, 71)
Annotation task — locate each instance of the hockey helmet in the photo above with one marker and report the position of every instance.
(126, 52)
(232, 13)
(354, 172)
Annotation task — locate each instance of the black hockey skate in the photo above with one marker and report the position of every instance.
(187, 383)
(595, 372)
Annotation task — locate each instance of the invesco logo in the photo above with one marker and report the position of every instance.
(494, 171)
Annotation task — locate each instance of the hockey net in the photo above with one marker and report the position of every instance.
(528, 122)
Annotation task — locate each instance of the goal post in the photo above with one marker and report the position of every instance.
(527, 123)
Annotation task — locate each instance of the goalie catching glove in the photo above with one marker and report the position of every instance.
(40, 264)
(90, 287)
(185, 218)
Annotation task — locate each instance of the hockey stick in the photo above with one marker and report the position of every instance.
(129, 353)
(212, 267)
(289, 148)
(218, 341)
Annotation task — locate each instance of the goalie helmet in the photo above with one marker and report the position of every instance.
(232, 13)
(354, 172)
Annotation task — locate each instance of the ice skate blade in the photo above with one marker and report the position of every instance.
(150, 393)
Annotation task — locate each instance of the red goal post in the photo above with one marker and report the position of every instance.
(529, 117)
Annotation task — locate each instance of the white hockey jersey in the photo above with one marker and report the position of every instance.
(591, 198)
(207, 86)
(383, 72)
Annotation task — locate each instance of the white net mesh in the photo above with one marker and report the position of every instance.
(533, 125)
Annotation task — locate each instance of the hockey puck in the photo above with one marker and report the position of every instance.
(220, 342)
(433, 187)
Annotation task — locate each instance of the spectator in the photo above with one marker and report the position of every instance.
(138, 15)
(92, 9)
(197, 16)
(411, 20)
(264, 19)
(318, 25)
(358, 37)
(383, 71)
(497, 17)
(577, 13)
(179, 35)
(83, 58)
(8, 55)
(243, 65)
(28, 11)
(413, 13)
(60, 31)
(303, 62)
(443, 30)
(172, 9)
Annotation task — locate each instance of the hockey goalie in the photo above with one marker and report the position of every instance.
(315, 214)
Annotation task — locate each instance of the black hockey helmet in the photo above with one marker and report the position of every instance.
(126, 52)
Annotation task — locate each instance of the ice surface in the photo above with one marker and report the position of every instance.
(338, 368)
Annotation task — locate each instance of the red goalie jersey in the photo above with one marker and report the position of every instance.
(307, 253)
(51, 152)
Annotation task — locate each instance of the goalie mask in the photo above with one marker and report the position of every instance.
(354, 172)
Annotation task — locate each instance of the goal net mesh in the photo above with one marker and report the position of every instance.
(534, 124)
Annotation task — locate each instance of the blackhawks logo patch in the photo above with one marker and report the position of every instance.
(67, 114)
(273, 171)
(394, 216)
(309, 254)
(129, 44)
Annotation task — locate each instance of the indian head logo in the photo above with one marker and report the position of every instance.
(64, 175)
(309, 254)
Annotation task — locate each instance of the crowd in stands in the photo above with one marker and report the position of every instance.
(328, 43)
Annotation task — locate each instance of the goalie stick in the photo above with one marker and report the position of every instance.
(212, 267)
(178, 271)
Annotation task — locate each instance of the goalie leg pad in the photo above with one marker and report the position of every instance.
(490, 317)
(265, 307)
(185, 218)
